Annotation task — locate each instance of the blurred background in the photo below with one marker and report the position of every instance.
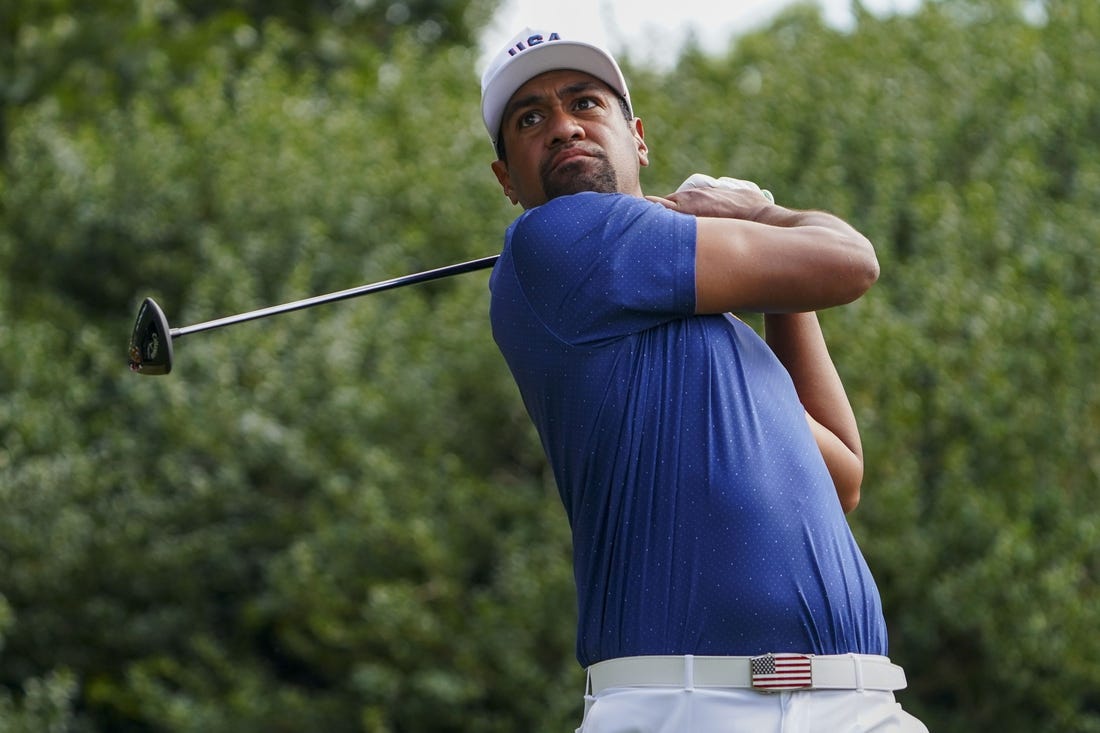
(341, 519)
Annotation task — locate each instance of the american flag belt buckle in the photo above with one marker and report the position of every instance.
(782, 672)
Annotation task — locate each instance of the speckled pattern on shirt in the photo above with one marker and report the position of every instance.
(704, 519)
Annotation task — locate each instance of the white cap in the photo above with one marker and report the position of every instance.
(533, 52)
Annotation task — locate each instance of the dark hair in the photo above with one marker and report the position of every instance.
(628, 114)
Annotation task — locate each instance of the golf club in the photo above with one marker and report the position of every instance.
(151, 341)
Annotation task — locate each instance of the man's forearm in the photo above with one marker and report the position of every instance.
(798, 342)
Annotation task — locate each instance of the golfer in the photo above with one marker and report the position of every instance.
(705, 471)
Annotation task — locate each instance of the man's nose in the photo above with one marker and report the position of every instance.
(564, 127)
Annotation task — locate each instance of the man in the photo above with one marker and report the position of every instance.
(705, 471)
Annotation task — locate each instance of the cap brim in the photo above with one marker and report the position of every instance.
(549, 56)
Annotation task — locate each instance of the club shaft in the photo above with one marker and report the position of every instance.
(419, 277)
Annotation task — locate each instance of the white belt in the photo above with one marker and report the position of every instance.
(765, 673)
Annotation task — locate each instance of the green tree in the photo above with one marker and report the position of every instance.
(96, 55)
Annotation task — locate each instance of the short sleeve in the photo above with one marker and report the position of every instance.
(599, 266)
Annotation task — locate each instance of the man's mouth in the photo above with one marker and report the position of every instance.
(568, 155)
(577, 168)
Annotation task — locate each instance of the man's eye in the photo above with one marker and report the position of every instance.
(528, 118)
(585, 103)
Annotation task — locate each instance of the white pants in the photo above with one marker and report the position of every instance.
(725, 710)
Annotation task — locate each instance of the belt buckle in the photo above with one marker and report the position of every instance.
(782, 672)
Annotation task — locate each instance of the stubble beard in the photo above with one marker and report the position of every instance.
(593, 173)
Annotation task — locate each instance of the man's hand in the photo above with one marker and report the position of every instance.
(701, 180)
(701, 195)
(720, 203)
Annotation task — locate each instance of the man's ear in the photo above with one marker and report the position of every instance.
(500, 168)
(639, 139)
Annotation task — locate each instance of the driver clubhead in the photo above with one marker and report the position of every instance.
(151, 341)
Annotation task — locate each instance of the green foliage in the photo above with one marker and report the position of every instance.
(341, 520)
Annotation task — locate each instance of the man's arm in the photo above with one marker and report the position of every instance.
(797, 341)
(752, 255)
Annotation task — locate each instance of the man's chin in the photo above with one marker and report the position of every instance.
(568, 184)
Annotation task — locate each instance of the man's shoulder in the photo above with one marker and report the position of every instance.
(579, 213)
(587, 204)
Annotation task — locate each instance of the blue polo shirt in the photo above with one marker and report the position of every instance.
(704, 520)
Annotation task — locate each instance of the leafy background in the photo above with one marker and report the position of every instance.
(341, 520)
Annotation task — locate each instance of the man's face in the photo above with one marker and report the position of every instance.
(564, 132)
